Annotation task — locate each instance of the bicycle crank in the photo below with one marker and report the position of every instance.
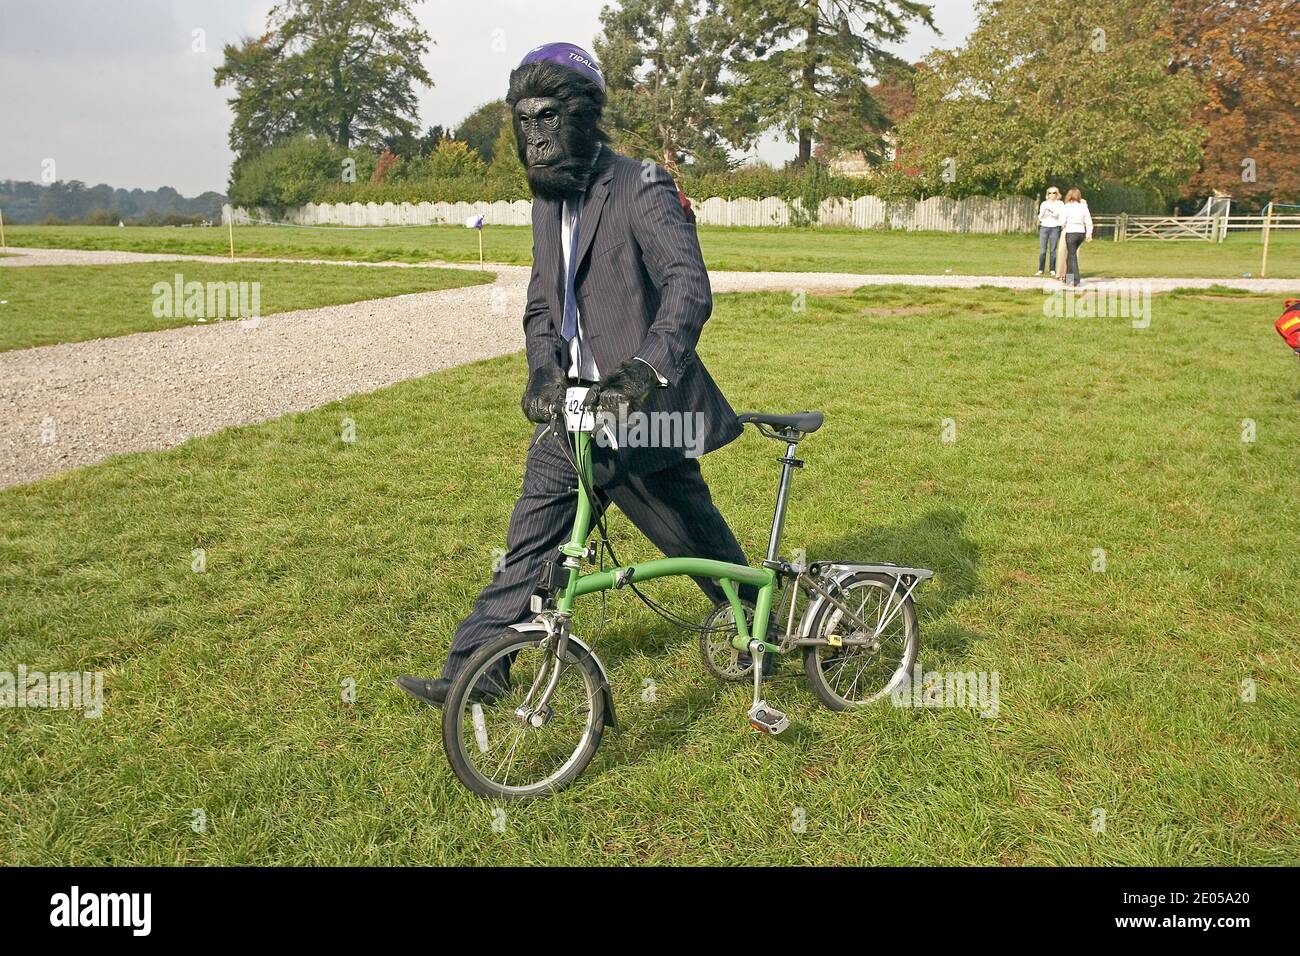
(762, 716)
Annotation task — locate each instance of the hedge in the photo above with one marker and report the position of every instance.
(302, 170)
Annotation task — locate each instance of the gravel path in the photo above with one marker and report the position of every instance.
(74, 404)
(721, 281)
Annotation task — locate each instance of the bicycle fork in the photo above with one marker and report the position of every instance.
(536, 711)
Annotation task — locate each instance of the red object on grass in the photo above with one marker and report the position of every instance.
(1288, 324)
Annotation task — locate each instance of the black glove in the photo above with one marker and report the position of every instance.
(630, 384)
(544, 397)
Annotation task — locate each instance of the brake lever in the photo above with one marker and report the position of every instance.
(599, 413)
(551, 426)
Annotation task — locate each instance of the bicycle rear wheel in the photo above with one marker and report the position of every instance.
(852, 676)
(507, 746)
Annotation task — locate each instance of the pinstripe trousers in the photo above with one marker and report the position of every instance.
(671, 507)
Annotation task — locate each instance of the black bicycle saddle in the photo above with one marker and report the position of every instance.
(806, 422)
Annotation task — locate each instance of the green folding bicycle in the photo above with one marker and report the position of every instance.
(535, 732)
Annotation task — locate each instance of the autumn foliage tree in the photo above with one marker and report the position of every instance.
(383, 166)
(1244, 55)
(896, 93)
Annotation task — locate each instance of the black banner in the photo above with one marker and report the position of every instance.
(334, 905)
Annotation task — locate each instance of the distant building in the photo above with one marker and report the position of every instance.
(856, 164)
(850, 164)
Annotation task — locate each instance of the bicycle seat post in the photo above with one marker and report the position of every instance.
(790, 429)
(788, 463)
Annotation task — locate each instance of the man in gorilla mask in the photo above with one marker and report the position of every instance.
(618, 297)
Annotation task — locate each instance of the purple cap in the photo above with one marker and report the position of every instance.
(566, 54)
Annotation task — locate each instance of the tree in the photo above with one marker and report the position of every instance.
(290, 173)
(803, 66)
(263, 100)
(28, 202)
(452, 159)
(340, 70)
(895, 96)
(506, 172)
(1240, 53)
(1055, 91)
(383, 166)
(896, 93)
(662, 60)
(63, 200)
(482, 128)
(414, 147)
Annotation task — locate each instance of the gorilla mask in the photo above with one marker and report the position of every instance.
(556, 115)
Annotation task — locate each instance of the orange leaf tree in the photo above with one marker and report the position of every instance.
(1244, 54)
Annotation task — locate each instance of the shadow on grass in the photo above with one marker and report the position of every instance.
(936, 541)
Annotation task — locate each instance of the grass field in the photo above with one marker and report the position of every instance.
(783, 250)
(329, 563)
(51, 304)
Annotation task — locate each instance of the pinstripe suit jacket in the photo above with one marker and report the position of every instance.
(642, 292)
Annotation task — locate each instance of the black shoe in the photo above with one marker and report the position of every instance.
(434, 692)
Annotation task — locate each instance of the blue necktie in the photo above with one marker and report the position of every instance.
(569, 328)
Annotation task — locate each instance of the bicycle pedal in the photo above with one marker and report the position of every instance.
(767, 719)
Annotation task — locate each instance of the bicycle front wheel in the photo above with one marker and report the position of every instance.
(532, 732)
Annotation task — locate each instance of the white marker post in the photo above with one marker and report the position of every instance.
(1268, 221)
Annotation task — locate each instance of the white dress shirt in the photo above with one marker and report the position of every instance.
(582, 363)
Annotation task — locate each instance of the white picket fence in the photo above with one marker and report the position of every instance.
(938, 213)
(502, 213)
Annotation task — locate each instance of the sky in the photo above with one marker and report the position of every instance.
(121, 92)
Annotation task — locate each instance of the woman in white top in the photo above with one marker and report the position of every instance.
(1077, 223)
(1049, 229)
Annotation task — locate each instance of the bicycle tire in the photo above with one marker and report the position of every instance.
(825, 617)
(454, 737)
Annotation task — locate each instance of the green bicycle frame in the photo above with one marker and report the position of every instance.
(727, 575)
